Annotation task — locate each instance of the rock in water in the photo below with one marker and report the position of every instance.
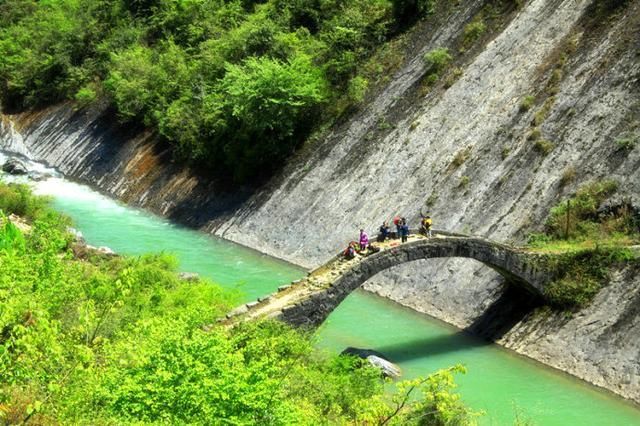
(106, 251)
(77, 235)
(188, 276)
(13, 166)
(388, 368)
(376, 359)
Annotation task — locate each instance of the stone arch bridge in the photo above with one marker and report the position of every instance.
(309, 301)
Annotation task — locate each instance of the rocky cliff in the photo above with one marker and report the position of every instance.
(526, 112)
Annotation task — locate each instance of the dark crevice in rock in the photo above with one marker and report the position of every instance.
(513, 305)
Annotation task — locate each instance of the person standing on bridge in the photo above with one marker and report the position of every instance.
(425, 225)
(364, 240)
(404, 230)
(384, 232)
(397, 221)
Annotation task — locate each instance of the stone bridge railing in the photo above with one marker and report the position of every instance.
(308, 302)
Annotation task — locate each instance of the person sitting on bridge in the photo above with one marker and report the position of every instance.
(373, 249)
(364, 240)
(425, 226)
(404, 230)
(350, 252)
(384, 232)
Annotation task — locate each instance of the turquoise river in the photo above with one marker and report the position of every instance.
(502, 384)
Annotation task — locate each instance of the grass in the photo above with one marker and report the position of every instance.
(534, 134)
(586, 243)
(542, 114)
(627, 141)
(436, 61)
(527, 103)
(543, 146)
(464, 182)
(568, 176)
(460, 157)
(472, 33)
(505, 152)
(539, 244)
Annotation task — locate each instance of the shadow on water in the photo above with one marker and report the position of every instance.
(513, 305)
(429, 347)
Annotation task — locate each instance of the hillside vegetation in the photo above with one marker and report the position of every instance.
(117, 340)
(234, 85)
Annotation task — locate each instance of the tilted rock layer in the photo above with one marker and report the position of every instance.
(465, 148)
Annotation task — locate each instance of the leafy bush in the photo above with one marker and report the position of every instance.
(121, 341)
(527, 102)
(436, 61)
(581, 210)
(408, 11)
(568, 176)
(587, 243)
(582, 275)
(171, 65)
(460, 157)
(18, 199)
(472, 32)
(543, 146)
(357, 89)
(627, 141)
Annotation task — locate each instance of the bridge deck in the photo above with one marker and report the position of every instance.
(320, 278)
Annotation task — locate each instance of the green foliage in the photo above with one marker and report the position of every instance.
(122, 341)
(542, 114)
(505, 152)
(628, 141)
(543, 146)
(408, 11)
(464, 182)
(527, 102)
(11, 239)
(586, 244)
(472, 32)
(357, 89)
(568, 176)
(534, 134)
(265, 96)
(460, 157)
(176, 66)
(86, 96)
(436, 61)
(581, 210)
(17, 199)
(582, 274)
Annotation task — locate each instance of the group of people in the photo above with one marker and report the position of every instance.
(362, 247)
(402, 232)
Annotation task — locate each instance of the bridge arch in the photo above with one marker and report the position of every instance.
(310, 301)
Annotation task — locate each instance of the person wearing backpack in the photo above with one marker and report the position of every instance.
(425, 226)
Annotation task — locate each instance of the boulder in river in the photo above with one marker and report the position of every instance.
(189, 276)
(13, 166)
(376, 359)
(106, 251)
(77, 235)
(38, 177)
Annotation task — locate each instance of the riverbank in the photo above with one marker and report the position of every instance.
(463, 293)
(497, 380)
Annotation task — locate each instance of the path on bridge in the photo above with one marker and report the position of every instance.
(307, 302)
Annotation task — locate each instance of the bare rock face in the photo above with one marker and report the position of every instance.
(14, 166)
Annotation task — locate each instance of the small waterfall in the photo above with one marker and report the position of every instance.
(11, 141)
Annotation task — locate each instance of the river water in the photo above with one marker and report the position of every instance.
(498, 382)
